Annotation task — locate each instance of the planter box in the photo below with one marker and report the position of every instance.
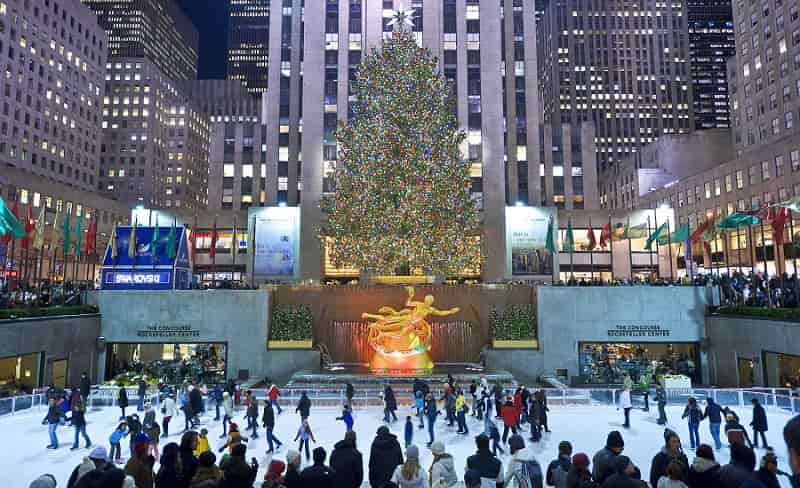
(524, 344)
(290, 344)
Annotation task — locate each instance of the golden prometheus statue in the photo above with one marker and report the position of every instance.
(402, 338)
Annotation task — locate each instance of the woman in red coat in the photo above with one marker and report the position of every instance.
(510, 416)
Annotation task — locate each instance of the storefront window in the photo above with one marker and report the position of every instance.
(608, 363)
(782, 370)
(169, 362)
(19, 374)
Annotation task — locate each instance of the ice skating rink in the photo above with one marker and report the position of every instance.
(24, 456)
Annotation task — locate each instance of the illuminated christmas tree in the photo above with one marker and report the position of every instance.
(402, 198)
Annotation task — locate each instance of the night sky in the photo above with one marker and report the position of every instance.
(211, 19)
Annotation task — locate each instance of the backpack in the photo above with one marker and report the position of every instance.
(529, 475)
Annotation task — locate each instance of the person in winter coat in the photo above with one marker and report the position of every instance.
(408, 432)
(670, 452)
(237, 472)
(735, 432)
(227, 415)
(559, 468)
(704, 471)
(169, 472)
(188, 460)
(347, 417)
(196, 402)
(274, 477)
(523, 469)
(208, 474)
(694, 415)
(673, 478)
(347, 463)
(349, 393)
(141, 393)
(759, 423)
(713, 413)
(252, 416)
(579, 475)
(79, 422)
(273, 394)
(134, 427)
(318, 475)
(767, 472)
(303, 406)
(491, 430)
(625, 404)
(140, 465)
(234, 438)
(625, 475)
(419, 404)
(603, 461)
(168, 409)
(431, 412)
(216, 396)
(269, 424)
(791, 436)
(509, 419)
(122, 401)
(304, 434)
(52, 419)
(389, 405)
(541, 403)
(487, 465)
(115, 439)
(461, 413)
(739, 469)
(410, 474)
(292, 478)
(443, 471)
(97, 460)
(202, 444)
(661, 401)
(384, 456)
(498, 394)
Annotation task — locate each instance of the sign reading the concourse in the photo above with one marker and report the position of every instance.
(625, 331)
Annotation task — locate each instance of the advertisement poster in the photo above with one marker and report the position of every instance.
(276, 232)
(526, 234)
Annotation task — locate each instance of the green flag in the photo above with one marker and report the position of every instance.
(65, 231)
(171, 251)
(132, 240)
(655, 235)
(78, 233)
(634, 231)
(680, 235)
(9, 225)
(738, 219)
(154, 243)
(569, 239)
(549, 241)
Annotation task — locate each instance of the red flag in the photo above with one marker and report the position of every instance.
(91, 237)
(777, 218)
(698, 232)
(212, 250)
(590, 237)
(30, 228)
(605, 235)
(7, 238)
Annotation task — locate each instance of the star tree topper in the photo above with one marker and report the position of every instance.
(402, 19)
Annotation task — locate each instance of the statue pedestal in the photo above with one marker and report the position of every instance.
(399, 364)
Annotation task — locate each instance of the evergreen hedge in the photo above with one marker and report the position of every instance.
(18, 313)
(515, 323)
(291, 323)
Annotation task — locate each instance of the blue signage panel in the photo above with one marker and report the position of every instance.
(150, 267)
(141, 279)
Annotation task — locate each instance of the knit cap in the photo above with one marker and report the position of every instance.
(44, 481)
(99, 452)
(705, 451)
(614, 440)
(580, 460)
(437, 448)
(412, 452)
(86, 466)
(292, 456)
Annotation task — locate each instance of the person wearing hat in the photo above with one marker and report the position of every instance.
(274, 476)
(234, 438)
(735, 432)
(488, 466)
(624, 475)
(385, 455)
(579, 475)
(44, 481)
(523, 469)
(237, 471)
(410, 474)
(347, 462)
(97, 460)
(318, 475)
(767, 472)
(670, 451)
(472, 477)
(559, 468)
(740, 467)
(704, 471)
(140, 465)
(791, 435)
(603, 460)
(208, 475)
(292, 478)
(443, 470)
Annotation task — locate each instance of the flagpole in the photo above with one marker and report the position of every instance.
(214, 255)
(764, 256)
(669, 249)
(571, 252)
(610, 248)
(252, 250)
(630, 246)
(791, 241)
(591, 254)
(650, 251)
(234, 245)
(753, 255)
(739, 249)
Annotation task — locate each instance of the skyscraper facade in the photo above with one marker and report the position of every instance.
(487, 49)
(623, 66)
(248, 42)
(711, 43)
(153, 29)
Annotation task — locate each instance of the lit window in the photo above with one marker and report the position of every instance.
(227, 170)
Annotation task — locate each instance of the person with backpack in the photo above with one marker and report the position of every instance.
(559, 468)
(443, 471)
(523, 469)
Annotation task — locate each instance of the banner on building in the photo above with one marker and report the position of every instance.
(276, 235)
(526, 236)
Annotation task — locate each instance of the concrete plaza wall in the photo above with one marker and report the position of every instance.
(734, 337)
(73, 338)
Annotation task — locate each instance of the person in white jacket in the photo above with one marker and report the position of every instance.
(410, 474)
(169, 409)
(523, 470)
(227, 407)
(443, 470)
(625, 405)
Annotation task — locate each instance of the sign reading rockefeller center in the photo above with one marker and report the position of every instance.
(638, 331)
(176, 331)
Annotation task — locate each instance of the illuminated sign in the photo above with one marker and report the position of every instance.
(138, 278)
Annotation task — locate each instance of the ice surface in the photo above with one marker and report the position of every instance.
(24, 455)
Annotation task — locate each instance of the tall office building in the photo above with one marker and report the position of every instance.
(154, 29)
(623, 66)
(711, 43)
(314, 49)
(248, 42)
